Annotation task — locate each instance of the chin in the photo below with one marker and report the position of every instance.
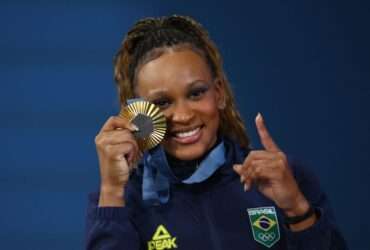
(187, 152)
(187, 155)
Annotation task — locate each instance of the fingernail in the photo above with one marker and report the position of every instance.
(134, 127)
(259, 116)
(245, 187)
(242, 178)
(236, 167)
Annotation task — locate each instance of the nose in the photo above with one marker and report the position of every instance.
(182, 113)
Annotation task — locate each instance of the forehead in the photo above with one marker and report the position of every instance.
(172, 70)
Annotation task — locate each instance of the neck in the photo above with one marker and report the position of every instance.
(175, 162)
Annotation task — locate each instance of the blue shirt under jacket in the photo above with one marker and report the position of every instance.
(211, 214)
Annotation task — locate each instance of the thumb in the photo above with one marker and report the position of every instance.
(266, 140)
(237, 168)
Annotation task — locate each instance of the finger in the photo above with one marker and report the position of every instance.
(122, 151)
(260, 169)
(256, 155)
(242, 169)
(266, 140)
(263, 170)
(116, 122)
(237, 168)
(247, 173)
(260, 155)
(116, 137)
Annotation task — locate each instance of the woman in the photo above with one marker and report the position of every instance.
(187, 192)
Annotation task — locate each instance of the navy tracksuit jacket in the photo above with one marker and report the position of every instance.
(208, 215)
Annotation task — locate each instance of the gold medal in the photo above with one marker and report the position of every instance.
(150, 121)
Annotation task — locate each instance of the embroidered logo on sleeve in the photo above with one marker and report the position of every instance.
(264, 224)
(162, 240)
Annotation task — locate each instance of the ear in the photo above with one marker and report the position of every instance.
(220, 94)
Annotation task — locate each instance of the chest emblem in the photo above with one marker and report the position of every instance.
(162, 240)
(264, 225)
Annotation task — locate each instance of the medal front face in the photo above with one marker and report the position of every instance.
(150, 121)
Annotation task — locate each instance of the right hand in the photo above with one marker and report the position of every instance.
(117, 151)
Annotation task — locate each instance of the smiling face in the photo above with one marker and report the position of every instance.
(181, 84)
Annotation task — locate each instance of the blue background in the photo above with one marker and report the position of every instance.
(303, 64)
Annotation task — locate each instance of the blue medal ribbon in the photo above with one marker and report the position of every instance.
(158, 175)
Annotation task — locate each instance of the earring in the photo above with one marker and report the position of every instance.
(222, 105)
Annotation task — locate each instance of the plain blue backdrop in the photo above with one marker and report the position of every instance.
(304, 64)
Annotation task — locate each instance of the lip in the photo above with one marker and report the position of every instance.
(188, 139)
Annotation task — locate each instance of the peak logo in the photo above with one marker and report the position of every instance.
(162, 240)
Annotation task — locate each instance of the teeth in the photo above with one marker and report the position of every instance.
(188, 133)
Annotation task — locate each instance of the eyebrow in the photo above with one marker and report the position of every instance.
(163, 91)
(157, 93)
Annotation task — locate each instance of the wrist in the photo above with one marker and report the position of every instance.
(300, 208)
(292, 220)
(302, 222)
(111, 196)
(112, 189)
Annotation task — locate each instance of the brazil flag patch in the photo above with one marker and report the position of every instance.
(265, 225)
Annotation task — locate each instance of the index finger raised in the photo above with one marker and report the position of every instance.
(266, 140)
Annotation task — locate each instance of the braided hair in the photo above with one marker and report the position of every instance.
(150, 37)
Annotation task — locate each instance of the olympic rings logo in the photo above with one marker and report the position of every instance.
(266, 236)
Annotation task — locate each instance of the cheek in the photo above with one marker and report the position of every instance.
(208, 108)
(208, 113)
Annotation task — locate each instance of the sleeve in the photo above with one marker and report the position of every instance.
(109, 228)
(324, 234)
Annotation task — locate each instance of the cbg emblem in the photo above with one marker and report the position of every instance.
(264, 224)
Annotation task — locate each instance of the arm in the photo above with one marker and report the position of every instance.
(108, 224)
(324, 233)
(292, 191)
(109, 228)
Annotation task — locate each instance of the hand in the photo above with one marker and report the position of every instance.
(117, 152)
(268, 169)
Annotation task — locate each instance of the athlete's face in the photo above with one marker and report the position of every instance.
(181, 84)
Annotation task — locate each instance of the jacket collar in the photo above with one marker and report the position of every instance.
(157, 174)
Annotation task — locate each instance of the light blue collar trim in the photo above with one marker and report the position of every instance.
(157, 173)
(209, 165)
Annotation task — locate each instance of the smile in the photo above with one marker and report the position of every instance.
(188, 133)
(187, 137)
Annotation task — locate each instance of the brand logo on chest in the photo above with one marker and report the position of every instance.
(162, 240)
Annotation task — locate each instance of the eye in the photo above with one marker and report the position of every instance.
(198, 93)
(162, 103)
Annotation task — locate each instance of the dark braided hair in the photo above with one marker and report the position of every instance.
(151, 37)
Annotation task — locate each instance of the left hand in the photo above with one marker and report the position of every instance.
(268, 169)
